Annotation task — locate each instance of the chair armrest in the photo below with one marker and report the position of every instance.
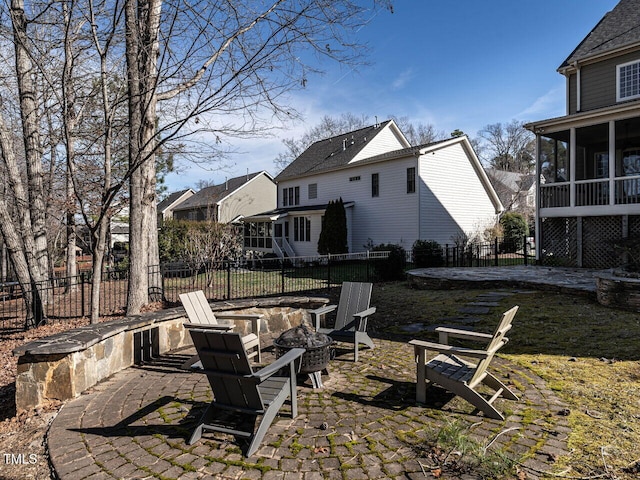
(204, 326)
(446, 332)
(319, 312)
(286, 360)
(253, 318)
(365, 313)
(361, 318)
(439, 347)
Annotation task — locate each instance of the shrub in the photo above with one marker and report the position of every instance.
(333, 236)
(427, 253)
(515, 228)
(392, 267)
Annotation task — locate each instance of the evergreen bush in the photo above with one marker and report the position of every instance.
(427, 253)
(392, 267)
(515, 228)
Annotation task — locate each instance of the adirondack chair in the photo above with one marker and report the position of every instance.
(199, 312)
(462, 377)
(240, 395)
(351, 318)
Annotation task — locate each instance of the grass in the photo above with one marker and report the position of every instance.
(588, 354)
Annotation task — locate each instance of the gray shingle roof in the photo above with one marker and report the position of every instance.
(331, 152)
(212, 195)
(618, 28)
(167, 202)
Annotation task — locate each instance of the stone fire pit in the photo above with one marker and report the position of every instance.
(317, 354)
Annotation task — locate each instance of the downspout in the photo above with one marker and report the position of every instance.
(578, 87)
(418, 191)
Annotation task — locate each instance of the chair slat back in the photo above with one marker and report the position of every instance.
(198, 309)
(227, 367)
(496, 342)
(354, 298)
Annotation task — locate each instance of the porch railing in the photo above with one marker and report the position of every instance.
(555, 195)
(627, 190)
(590, 193)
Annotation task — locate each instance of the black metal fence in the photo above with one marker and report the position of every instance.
(495, 253)
(70, 297)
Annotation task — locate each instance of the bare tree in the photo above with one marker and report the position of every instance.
(508, 147)
(209, 62)
(419, 133)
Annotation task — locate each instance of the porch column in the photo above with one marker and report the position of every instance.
(612, 162)
(572, 167)
(538, 234)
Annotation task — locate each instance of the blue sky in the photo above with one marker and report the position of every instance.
(455, 65)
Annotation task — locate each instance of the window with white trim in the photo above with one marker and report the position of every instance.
(290, 196)
(301, 229)
(411, 180)
(628, 78)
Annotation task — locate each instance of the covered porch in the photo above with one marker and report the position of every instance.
(289, 232)
(589, 165)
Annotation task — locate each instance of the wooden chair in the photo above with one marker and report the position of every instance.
(462, 377)
(352, 316)
(240, 395)
(199, 312)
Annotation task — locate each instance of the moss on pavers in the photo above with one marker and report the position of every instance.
(372, 425)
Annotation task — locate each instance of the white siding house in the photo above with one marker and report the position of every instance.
(230, 201)
(393, 193)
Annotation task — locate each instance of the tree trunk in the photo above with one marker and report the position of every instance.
(30, 131)
(142, 20)
(22, 251)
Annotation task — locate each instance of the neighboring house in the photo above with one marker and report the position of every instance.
(230, 201)
(588, 162)
(517, 191)
(166, 206)
(392, 192)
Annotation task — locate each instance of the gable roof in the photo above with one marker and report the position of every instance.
(334, 152)
(171, 199)
(215, 194)
(618, 29)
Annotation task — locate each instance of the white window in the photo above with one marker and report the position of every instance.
(628, 81)
(313, 190)
(290, 196)
(301, 229)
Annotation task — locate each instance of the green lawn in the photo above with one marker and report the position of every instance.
(588, 354)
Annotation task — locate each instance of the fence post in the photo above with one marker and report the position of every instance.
(328, 271)
(524, 249)
(367, 263)
(228, 280)
(282, 276)
(478, 255)
(446, 249)
(495, 251)
(82, 281)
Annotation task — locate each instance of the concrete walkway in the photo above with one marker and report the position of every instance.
(363, 424)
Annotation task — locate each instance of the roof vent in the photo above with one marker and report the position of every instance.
(344, 144)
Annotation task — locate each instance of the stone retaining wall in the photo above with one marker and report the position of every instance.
(62, 366)
(619, 292)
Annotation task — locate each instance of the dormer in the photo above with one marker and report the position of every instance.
(604, 70)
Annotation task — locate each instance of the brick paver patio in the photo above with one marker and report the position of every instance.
(363, 424)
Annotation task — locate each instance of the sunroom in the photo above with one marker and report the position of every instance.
(588, 166)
